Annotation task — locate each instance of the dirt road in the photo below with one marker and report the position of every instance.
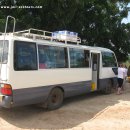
(89, 112)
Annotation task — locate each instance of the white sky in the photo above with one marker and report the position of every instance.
(127, 20)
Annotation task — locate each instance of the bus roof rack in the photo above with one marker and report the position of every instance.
(46, 35)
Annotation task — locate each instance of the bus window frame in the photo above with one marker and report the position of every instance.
(89, 65)
(14, 55)
(55, 46)
(113, 56)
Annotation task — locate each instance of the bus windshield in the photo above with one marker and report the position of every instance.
(4, 51)
(108, 59)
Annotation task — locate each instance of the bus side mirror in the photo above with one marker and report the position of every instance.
(115, 70)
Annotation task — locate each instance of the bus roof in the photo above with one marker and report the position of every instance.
(44, 39)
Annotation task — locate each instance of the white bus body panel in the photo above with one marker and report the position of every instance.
(4, 69)
(106, 72)
(45, 77)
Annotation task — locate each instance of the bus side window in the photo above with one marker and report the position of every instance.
(52, 57)
(25, 57)
(42, 60)
(79, 58)
(87, 58)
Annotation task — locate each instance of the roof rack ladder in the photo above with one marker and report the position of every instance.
(7, 23)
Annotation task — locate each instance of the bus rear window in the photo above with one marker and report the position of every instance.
(4, 45)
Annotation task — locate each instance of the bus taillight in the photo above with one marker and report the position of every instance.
(6, 89)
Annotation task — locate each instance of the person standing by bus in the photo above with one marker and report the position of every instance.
(125, 69)
(121, 76)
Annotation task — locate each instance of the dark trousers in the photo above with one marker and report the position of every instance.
(120, 82)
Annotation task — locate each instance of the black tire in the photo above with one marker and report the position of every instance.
(108, 88)
(55, 99)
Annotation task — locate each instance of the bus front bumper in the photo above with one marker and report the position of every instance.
(5, 101)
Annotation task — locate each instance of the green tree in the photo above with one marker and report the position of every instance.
(102, 26)
(98, 22)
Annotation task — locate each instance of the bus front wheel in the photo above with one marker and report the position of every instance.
(108, 87)
(55, 99)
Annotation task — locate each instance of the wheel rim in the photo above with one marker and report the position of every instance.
(56, 98)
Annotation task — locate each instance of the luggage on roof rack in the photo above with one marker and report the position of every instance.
(61, 36)
(65, 35)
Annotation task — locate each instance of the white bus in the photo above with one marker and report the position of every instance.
(37, 69)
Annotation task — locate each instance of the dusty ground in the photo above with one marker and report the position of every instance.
(89, 112)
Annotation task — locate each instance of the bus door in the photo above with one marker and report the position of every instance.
(95, 70)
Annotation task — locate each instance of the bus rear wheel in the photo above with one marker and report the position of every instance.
(55, 99)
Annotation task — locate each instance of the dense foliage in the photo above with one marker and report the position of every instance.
(98, 22)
